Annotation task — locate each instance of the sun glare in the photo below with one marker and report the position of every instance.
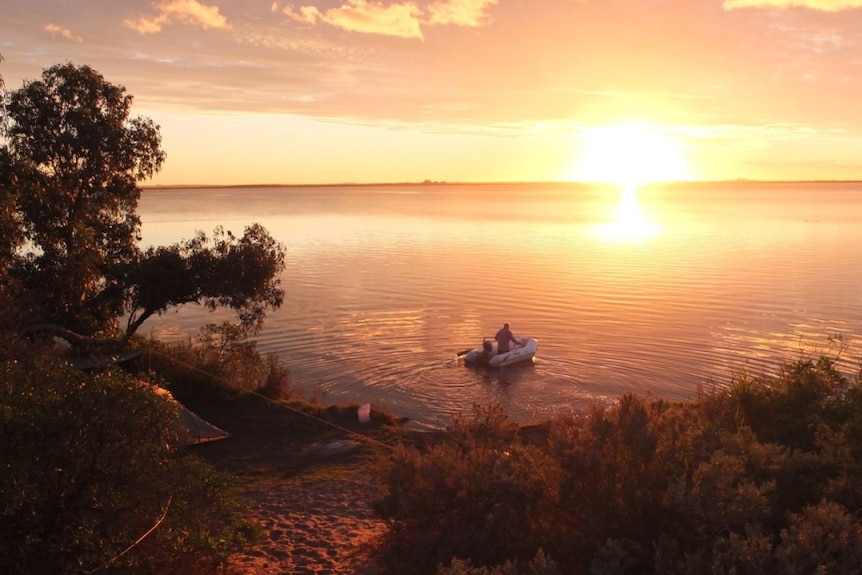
(628, 223)
(630, 155)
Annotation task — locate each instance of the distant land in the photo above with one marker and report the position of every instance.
(675, 183)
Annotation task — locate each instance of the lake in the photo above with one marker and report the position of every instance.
(658, 291)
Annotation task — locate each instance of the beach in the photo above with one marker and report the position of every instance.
(306, 477)
(324, 526)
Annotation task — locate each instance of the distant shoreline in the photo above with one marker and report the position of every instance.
(433, 183)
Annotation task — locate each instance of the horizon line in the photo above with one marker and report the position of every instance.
(497, 183)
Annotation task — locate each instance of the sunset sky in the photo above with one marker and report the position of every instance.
(256, 91)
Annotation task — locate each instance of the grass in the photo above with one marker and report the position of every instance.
(273, 440)
(272, 433)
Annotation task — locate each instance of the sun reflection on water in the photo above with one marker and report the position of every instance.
(629, 224)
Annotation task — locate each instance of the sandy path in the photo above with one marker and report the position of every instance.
(316, 527)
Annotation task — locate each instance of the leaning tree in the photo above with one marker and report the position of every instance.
(69, 168)
(238, 273)
(76, 159)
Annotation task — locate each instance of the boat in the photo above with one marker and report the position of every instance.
(487, 354)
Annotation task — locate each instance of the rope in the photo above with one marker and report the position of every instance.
(226, 385)
(139, 539)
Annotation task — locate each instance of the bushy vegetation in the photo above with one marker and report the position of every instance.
(92, 478)
(89, 461)
(219, 357)
(761, 477)
(90, 475)
(71, 160)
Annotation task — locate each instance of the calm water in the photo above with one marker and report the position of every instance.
(658, 291)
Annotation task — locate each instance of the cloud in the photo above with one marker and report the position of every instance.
(63, 32)
(822, 5)
(401, 19)
(189, 12)
(468, 13)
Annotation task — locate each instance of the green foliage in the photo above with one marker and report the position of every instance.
(786, 408)
(540, 565)
(240, 273)
(73, 161)
(69, 227)
(614, 556)
(824, 538)
(11, 226)
(480, 493)
(617, 467)
(276, 385)
(215, 359)
(88, 467)
(762, 476)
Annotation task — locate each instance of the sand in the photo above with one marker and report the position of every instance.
(324, 526)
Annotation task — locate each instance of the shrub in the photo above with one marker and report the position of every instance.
(761, 476)
(479, 493)
(618, 464)
(786, 408)
(88, 467)
(210, 361)
(823, 539)
(540, 565)
(276, 384)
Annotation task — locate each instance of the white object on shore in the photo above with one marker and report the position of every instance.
(364, 413)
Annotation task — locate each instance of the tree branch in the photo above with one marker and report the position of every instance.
(76, 340)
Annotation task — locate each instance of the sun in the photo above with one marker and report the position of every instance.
(630, 155)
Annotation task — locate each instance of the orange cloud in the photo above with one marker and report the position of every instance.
(468, 13)
(367, 17)
(189, 12)
(402, 19)
(64, 32)
(822, 5)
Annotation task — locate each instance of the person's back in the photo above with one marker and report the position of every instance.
(504, 337)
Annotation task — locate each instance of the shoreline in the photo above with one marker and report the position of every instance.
(305, 474)
(433, 183)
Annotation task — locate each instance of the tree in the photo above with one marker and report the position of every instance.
(75, 158)
(11, 228)
(239, 273)
(11, 231)
(69, 192)
(11, 225)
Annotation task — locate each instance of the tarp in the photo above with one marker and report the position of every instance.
(195, 428)
(102, 361)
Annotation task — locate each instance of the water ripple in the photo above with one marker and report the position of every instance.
(383, 290)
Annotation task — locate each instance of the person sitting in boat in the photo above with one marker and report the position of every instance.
(487, 353)
(504, 337)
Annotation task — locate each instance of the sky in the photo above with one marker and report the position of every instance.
(375, 91)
